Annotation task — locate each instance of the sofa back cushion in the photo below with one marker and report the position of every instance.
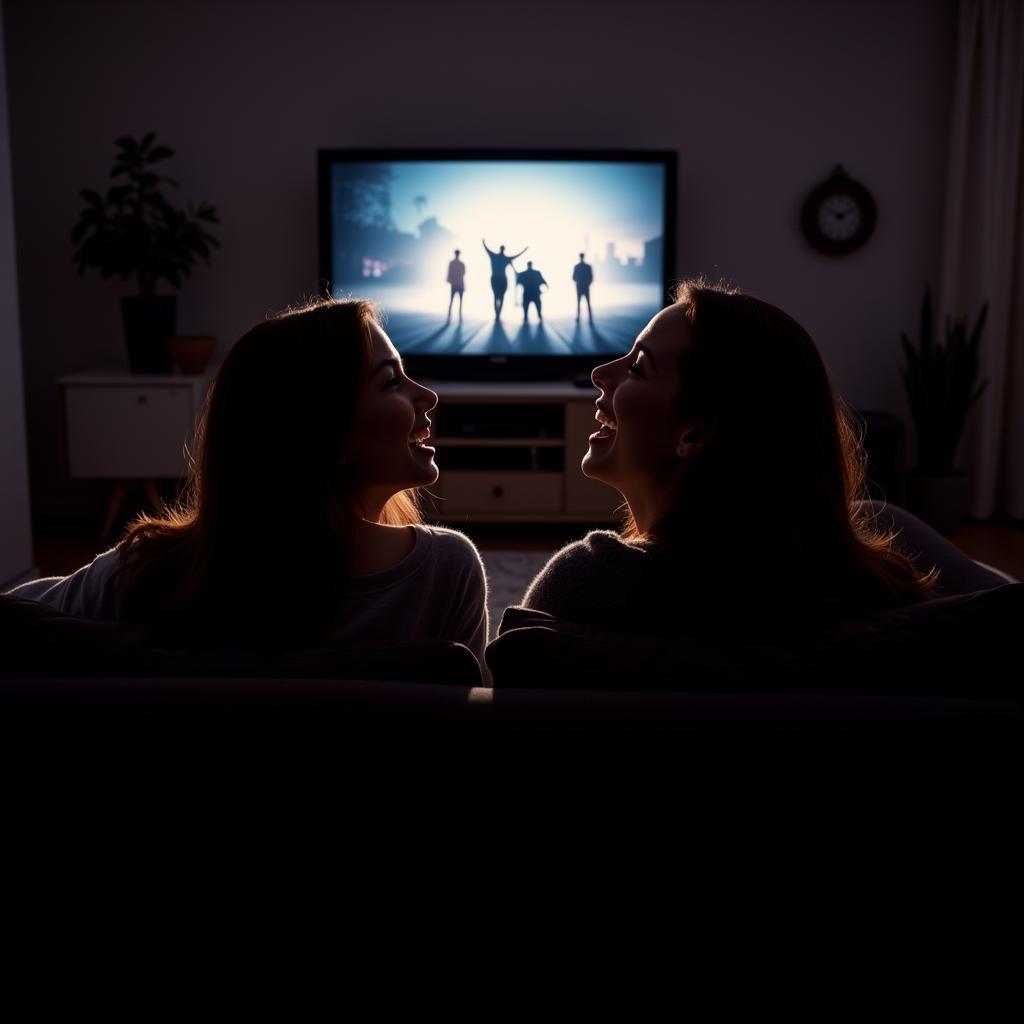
(964, 645)
(37, 642)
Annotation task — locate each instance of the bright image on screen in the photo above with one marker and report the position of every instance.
(502, 257)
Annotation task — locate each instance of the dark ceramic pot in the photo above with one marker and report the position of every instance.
(149, 320)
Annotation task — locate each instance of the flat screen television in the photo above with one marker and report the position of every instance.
(508, 264)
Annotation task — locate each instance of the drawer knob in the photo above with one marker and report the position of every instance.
(498, 491)
(142, 399)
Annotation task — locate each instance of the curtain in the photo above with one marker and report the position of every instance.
(983, 243)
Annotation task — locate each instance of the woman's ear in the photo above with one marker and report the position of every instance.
(693, 438)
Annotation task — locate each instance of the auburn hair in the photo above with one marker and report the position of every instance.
(774, 502)
(257, 549)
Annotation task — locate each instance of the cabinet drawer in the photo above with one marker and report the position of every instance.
(128, 432)
(496, 492)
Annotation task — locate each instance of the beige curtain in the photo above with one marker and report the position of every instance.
(983, 245)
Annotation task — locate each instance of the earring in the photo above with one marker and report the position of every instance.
(686, 440)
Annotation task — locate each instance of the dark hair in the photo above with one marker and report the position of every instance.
(771, 503)
(257, 550)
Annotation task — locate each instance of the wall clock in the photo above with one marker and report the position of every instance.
(839, 215)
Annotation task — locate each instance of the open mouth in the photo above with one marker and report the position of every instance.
(419, 440)
(607, 424)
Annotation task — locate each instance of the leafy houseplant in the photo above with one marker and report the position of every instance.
(135, 231)
(941, 382)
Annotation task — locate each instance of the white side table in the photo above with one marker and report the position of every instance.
(129, 427)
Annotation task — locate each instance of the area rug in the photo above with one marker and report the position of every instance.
(509, 573)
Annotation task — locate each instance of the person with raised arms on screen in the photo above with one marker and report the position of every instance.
(583, 275)
(532, 282)
(744, 482)
(499, 275)
(299, 524)
(457, 279)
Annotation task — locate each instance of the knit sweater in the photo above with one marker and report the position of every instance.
(603, 581)
(632, 587)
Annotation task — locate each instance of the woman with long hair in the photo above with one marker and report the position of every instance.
(299, 522)
(744, 481)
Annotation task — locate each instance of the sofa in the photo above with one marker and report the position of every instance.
(961, 650)
(861, 785)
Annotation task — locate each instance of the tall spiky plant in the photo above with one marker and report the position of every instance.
(940, 381)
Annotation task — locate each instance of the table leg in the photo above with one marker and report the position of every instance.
(153, 496)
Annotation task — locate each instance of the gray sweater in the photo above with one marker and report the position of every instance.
(437, 592)
(630, 587)
(602, 581)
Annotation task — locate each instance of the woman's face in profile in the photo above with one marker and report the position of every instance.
(635, 450)
(387, 450)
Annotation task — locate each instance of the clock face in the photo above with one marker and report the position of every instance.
(839, 217)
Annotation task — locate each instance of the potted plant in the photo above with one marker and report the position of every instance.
(135, 231)
(941, 382)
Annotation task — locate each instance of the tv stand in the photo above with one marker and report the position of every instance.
(511, 452)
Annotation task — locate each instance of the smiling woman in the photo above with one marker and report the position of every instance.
(744, 480)
(385, 451)
(299, 522)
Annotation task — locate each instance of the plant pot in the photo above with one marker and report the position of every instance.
(940, 500)
(191, 352)
(149, 321)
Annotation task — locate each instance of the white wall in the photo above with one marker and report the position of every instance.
(760, 98)
(15, 529)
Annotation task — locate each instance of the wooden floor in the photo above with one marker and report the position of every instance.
(1000, 544)
(62, 548)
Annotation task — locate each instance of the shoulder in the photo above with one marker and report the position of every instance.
(598, 553)
(602, 545)
(96, 575)
(85, 592)
(100, 568)
(106, 561)
(585, 578)
(451, 546)
(454, 563)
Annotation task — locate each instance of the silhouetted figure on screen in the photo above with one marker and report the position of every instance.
(499, 278)
(583, 275)
(457, 279)
(531, 280)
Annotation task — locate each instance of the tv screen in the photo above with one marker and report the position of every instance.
(547, 259)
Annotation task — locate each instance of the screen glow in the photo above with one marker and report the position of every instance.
(396, 227)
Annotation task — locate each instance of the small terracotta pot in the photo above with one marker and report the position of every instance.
(192, 352)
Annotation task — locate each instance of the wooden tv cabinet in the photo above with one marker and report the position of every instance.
(511, 452)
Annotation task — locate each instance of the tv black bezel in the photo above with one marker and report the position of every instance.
(491, 367)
